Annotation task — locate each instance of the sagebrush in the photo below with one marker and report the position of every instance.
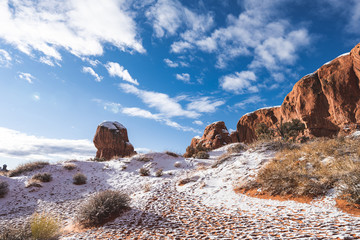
(79, 179)
(4, 188)
(42, 177)
(101, 207)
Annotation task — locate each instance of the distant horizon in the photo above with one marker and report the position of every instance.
(165, 69)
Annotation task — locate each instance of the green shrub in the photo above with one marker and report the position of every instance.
(4, 188)
(42, 177)
(202, 155)
(144, 172)
(44, 226)
(79, 179)
(27, 167)
(290, 130)
(190, 151)
(101, 207)
(262, 131)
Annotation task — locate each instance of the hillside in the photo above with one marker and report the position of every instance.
(204, 205)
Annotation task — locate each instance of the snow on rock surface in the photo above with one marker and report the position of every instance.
(206, 206)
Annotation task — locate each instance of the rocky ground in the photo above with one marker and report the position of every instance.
(207, 208)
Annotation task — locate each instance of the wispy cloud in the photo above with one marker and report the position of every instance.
(14, 144)
(251, 100)
(46, 27)
(5, 58)
(171, 63)
(142, 113)
(198, 122)
(162, 102)
(205, 104)
(27, 77)
(92, 73)
(185, 77)
(117, 70)
(239, 82)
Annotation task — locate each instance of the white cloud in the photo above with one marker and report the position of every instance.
(47, 61)
(24, 147)
(185, 77)
(138, 112)
(171, 63)
(36, 97)
(198, 122)
(5, 58)
(204, 104)
(251, 100)
(109, 106)
(170, 17)
(92, 73)
(239, 82)
(81, 27)
(27, 77)
(116, 69)
(166, 17)
(166, 105)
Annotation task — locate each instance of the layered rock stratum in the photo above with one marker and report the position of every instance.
(111, 140)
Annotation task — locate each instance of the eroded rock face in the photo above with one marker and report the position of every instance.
(215, 135)
(111, 140)
(327, 101)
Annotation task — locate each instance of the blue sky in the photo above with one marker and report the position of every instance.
(163, 68)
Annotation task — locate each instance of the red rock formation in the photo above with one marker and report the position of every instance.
(111, 140)
(327, 101)
(215, 135)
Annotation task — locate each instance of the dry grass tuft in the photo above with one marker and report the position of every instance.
(188, 180)
(44, 226)
(42, 177)
(314, 168)
(143, 158)
(172, 154)
(237, 148)
(221, 159)
(4, 188)
(27, 167)
(159, 172)
(9, 233)
(202, 155)
(69, 166)
(144, 172)
(33, 183)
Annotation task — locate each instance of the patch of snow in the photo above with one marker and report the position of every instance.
(264, 108)
(344, 54)
(197, 137)
(112, 125)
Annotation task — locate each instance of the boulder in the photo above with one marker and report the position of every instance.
(111, 140)
(326, 101)
(215, 135)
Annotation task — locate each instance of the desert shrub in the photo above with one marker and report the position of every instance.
(144, 172)
(273, 145)
(44, 226)
(33, 183)
(236, 148)
(147, 187)
(177, 164)
(262, 131)
(188, 180)
(79, 179)
(143, 158)
(9, 233)
(350, 187)
(159, 172)
(190, 151)
(27, 167)
(69, 166)
(172, 154)
(97, 159)
(101, 207)
(290, 130)
(4, 188)
(314, 168)
(202, 155)
(42, 177)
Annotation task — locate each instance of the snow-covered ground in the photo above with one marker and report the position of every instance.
(161, 206)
